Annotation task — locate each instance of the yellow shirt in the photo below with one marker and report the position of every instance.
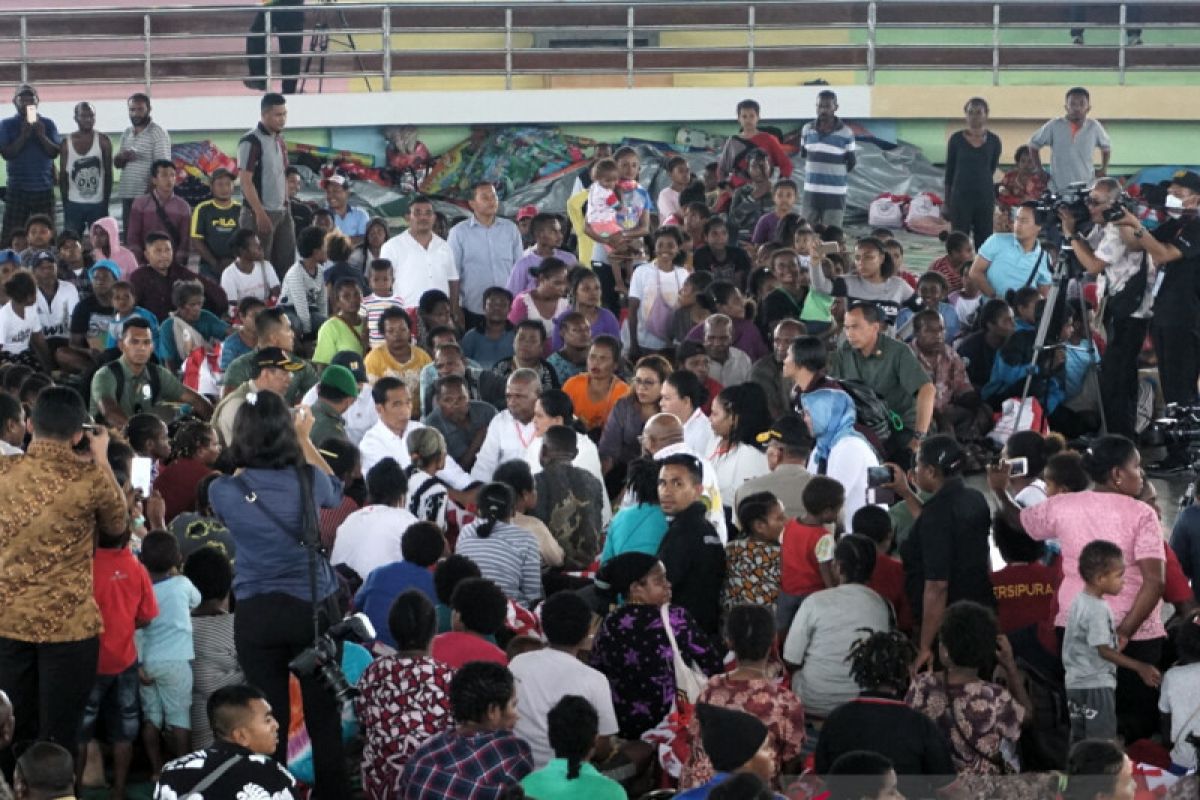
(380, 364)
(575, 213)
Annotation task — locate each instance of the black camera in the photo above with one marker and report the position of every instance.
(322, 658)
(1173, 438)
(1073, 198)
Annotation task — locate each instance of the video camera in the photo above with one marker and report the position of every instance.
(1075, 200)
(322, 658)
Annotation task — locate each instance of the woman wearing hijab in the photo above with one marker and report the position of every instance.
(841, 452)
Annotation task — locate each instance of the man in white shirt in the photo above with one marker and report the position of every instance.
(388, 438)
(361, 416)
(511, 431)
(545, 676)
(421, 260)
(662, 437)
(370, 537)
(727, 365)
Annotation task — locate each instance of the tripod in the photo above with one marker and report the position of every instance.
(1065, 267)
(318, 47)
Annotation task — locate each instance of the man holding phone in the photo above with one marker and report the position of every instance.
(29, 143)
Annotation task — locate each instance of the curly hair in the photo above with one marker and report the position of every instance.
(190, 438)
(882, 659)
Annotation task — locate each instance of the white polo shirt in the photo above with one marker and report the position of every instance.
(370, 538)
(506, 440)
(417, 269)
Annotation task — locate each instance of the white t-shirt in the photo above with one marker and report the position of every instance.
(543, 678)
(55, 315)
(1179, 697)
(15, 332)
(370, 538)
(379, 443)
(259, 282)
(848, 462)
(736, 467)
(735, 370)
(668, 205)
(649, 284)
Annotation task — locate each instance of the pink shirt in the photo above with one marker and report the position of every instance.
(1082, 517)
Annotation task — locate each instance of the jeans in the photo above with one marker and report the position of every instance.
(49, 685)
(269, 631)
(80, 217)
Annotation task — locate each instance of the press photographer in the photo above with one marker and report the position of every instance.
(285, 588)
(1127, 280)
(1175, 247)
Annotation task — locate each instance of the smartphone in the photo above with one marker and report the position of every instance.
(140, 474)
(31, 114)
(828, 248)
(878, 476)
(1017, 467)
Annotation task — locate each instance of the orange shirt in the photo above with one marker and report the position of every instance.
(593, 414)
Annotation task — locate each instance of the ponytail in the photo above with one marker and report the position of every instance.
(496, 503)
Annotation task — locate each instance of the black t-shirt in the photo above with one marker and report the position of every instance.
(1177, 287)
(91, 319)
(887, 726)
(949, 542)
(734, 267)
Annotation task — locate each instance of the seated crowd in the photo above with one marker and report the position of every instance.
(652, 497)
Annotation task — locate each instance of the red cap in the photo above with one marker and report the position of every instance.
(527, 212)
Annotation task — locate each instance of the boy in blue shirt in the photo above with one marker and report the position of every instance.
(165, 652)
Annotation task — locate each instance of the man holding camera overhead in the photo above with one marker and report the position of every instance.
(1127, 280)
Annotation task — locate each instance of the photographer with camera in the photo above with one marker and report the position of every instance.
(285, 588)
(1175, 248)
(1128, 280)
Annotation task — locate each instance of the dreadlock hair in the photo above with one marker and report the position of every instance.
(190, 437)
(882, 659)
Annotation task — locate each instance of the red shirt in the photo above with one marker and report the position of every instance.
(456, 648)
(177, 484)
(1026, 594)
(125, 596)
(1176, 589)
(714, 389)
(888, 581)
(775, 152)
(800, 573)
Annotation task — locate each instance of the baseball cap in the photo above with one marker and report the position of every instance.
(337, 179)
(789, 430)
(338, 377)
(221, 172)
(276, 357)
(1187, 179)
(8, 254)
(105, 263)
(351, 361)
(527, 212)
(43, 255)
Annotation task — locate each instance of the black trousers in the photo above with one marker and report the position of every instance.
(1118, 375)
(1137, 703)
(48, 685)
(973, 214)
(288, 26)
(1177, 348)
(269, 631)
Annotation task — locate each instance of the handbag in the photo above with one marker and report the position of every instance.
(660, 316)
(689, 681)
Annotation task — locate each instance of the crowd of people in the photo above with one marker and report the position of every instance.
(667, 492)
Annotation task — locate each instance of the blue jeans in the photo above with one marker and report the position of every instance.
(80, 217)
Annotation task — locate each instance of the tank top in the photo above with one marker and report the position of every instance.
(85, 173)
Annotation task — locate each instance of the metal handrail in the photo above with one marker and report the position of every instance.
(387, 60)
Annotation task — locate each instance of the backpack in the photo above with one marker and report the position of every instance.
(872, 411)
(1044, 745)
(732, 161)
(119, 373)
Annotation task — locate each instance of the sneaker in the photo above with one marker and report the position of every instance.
(1078, 39)
(255, 84)
(1134, 40)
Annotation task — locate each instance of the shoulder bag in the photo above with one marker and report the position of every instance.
(689, 681)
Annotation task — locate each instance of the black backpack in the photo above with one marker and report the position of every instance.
(151, 373)
(872, 411)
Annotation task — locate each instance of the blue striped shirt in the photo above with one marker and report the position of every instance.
(825, 169)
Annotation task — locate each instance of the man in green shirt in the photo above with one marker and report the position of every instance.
(890, 368)
(336, 392)
(132, 385)
(273, 330)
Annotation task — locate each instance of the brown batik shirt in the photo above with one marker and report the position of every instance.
(51, 506)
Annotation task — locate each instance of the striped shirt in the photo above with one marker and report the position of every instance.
(151, 144)
(373, 306)
(825, 168)
(509, 557)
(215, 667)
